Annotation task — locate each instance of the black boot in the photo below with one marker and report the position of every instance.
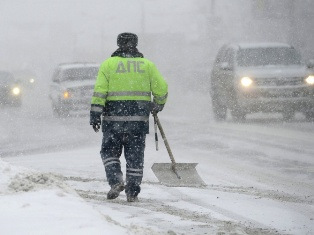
(115, 191)
(131, 198)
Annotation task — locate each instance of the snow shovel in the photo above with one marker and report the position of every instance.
(175, 174)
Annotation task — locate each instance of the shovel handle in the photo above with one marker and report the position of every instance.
(165, 140)
(173, 167)
(156, 136)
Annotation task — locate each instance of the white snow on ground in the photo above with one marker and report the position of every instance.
(38, 203)
(219, 207)
(259, 176)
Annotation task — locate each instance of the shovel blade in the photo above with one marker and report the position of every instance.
(187, 172)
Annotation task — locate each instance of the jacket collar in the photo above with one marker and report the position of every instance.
(130, 52)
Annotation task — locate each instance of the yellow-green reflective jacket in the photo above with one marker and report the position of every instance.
(129, 79)
(123, 91)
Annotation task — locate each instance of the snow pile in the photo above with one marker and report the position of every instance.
(38, 203)
(19, 179)
(27, 182)
(7, 172)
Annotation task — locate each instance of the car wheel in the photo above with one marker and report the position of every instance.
(288, 115)
(219, 110)
(238, 114)
(309, 116)
(55, 110)
(59, 111)
(17, 103)
(64, 113)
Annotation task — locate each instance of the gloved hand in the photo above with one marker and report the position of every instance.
(155, 108)
(95, 120)
(96, 126)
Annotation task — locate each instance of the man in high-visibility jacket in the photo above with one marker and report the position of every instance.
(122, 97)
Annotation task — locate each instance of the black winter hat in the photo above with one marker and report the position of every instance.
(127, 40)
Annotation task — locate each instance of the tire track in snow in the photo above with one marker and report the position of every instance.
(260, 139)
(204, 220)
(168, 207)
(271, 194)
(275, 159)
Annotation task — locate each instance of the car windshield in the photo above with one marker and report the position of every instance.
(6, 78)
(267, 56)
(79, 74)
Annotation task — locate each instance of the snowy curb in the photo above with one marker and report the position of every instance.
(42, 203)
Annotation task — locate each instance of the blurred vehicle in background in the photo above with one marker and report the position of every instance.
(310, 65)
(26, 78)
(10, 90)
(72, 88)
(261, 77)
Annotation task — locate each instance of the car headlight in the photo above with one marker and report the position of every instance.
(31, 80)
(16, 90)
(310, 80)
(246, 81)
(66, 95)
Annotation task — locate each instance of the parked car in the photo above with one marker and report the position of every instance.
(72, 87)
(261, 77)
(10, 91)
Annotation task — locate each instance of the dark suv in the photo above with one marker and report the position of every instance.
(72, 88)
(260, 77)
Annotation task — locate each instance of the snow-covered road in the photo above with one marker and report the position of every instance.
(259, 174)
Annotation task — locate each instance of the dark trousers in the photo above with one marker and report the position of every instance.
(111, 150)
